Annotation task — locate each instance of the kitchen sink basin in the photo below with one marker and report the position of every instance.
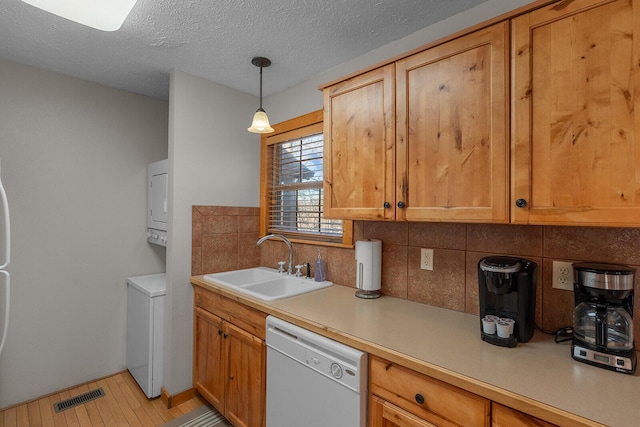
(283, 287)
(243, 277)
(265, 283)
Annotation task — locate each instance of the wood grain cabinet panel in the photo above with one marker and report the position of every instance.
(425, 138)
(384, 414)
(359, 155)
(229, 357)
(576, 125)
(452, 130)
(501, 416)
(208, 367)
(246, 356)
(395, 389)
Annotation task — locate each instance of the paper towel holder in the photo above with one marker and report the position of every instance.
(368, 268)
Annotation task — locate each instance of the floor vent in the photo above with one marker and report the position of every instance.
(78, 400)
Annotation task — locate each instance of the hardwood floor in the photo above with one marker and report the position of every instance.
(124, 405)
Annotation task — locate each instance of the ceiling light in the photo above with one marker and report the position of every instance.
(105, 15)
(260, 122)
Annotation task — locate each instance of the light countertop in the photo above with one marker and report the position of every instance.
(538, 377)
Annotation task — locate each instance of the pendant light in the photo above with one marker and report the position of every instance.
(260, 122)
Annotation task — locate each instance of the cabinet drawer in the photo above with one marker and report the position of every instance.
(501, 416)
(247, 318)
(427, 397)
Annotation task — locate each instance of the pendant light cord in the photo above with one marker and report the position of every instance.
(261, 88)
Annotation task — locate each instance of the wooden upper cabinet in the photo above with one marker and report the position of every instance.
(576, 125)
(359, 156)
(424, 139)
(452, 130)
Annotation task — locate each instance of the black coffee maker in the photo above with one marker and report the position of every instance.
(507, 292)
(603, 316)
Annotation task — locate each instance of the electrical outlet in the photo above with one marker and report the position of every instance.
(426, 259)
(562, 275)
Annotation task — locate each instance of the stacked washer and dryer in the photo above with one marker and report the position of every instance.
(146, 294)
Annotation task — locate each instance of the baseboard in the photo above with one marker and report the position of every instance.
(171, 401)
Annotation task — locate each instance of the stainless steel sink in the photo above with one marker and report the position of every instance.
(265, 283)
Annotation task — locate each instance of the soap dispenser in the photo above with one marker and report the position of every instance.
(319, 269)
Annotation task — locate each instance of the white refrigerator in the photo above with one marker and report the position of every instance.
(5, 257)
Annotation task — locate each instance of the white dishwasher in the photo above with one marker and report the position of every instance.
(313, 381)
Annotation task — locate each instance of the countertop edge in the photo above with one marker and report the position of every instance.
(505, 397)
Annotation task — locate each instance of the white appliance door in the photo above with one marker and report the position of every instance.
(5, 258)
(139, 338)
(159, 186)
(299, 396)
(313, 381)
(5, 229)
(5, 287)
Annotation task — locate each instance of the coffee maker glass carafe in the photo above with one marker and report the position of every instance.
(603, 316)
(606, 326)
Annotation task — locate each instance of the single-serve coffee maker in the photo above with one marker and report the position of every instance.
(507, 292)
(603, 316)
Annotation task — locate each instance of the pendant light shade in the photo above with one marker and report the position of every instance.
(260, 122)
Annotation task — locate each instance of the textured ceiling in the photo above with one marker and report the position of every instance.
(215, 39)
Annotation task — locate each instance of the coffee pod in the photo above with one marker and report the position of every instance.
(503, 329)
(488, 325)
(511, 323)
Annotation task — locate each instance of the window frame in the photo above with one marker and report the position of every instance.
(295, 125)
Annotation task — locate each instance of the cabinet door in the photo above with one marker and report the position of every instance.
(245, 356)
(384, 414)
(208, 366)
(576, 125)
(452, 130)
(501, 416)
(359, 157)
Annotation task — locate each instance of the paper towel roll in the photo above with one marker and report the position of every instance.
(369, 264)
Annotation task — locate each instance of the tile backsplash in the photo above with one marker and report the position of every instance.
(224, 238)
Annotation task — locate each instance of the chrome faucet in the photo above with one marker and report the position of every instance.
(286, 242)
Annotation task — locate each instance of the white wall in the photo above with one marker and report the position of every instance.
(306, 97)
(213, 160)
(72, 150)
(74, 157)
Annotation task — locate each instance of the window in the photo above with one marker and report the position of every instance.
(291, 187)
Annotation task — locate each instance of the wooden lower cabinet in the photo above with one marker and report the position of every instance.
(385, 414)
(229, 371)
(229, 361)
(402, 397)
(208, 375)
(245, 361)
(501, 416)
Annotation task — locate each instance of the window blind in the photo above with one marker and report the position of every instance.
(295, 189)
